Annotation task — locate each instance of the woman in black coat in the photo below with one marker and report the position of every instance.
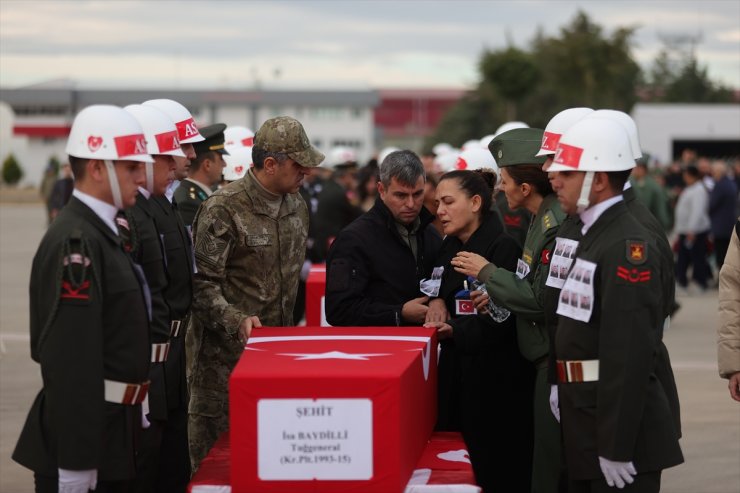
(485, 386)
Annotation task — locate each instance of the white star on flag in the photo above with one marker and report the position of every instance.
(333, 355)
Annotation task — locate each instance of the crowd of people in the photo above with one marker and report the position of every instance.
(539, 256)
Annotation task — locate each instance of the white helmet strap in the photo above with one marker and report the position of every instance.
(149, 169)
(114, 188)
(583, 201)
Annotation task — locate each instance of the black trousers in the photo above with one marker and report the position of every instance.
(695, 255)
(644, 483)
(49, 484)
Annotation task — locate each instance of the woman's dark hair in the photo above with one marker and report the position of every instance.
(479, 182)
(533, 175)
(364, 175)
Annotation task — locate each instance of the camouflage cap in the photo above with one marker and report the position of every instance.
(285, 135)
(518, 146)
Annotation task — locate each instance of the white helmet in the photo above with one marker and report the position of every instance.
(236, 136)
(238, 161)
(591, 145)
(486, 140)
(471, 144)
(448, 160)
(627, 122)
(557, 126)
(339, 155)
(385, 151)
(442, 148)
(108, 133)
(187, 131)
(509, 126)
(160, 133)
(159, 130)
(475, 158)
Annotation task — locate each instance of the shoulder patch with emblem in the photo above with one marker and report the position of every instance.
(636, 251)
(75, 282)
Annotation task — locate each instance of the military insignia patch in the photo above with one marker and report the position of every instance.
(70, 292)
(636, 252)
(633, 275)
(545, 257)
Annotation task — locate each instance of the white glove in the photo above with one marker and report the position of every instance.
(305, 270)
(77, 481)
(554, 402)
(617, 473)
(144, 411)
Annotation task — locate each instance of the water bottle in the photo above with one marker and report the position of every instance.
(497, 313)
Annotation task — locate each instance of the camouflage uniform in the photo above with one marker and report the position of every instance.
(250, 245)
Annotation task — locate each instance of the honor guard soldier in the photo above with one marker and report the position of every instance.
(177, 246)
(205, 172)
(163, 145)
(616, 419)
(250, 244)
(89, 320)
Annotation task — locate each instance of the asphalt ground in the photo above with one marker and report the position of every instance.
(711, 420)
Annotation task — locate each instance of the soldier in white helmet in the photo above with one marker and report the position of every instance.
(177, 248)
(617, 422)
(89, 319)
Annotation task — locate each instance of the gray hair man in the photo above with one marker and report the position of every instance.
(375, 264)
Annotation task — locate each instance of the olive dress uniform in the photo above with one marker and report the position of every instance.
(618, 410)
(89, 331)
(189, 195)
(178, 256)
(522, 291)
(480, 367)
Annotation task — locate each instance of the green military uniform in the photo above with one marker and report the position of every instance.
(522, 292)
(250, 245)
(654, 198)
(621, 411)
(89, 324)
(189, 195)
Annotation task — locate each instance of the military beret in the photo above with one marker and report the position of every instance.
(213, 136)
(286, 135)
(517, 146)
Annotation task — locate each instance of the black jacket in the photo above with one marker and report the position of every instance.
(88, 323)
(371, 272)
(481, 367)
(625, 415)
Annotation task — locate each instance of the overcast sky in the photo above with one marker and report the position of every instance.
(313, 44)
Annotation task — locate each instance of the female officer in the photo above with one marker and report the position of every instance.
(521, 290)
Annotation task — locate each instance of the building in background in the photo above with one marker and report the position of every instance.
(666, 129)
(42, 116)
(405, 117)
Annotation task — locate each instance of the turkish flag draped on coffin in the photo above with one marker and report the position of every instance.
(332, 409)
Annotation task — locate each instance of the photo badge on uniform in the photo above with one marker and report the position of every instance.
(560, 261)
(577, 294)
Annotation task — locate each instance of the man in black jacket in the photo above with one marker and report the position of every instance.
(376, 263)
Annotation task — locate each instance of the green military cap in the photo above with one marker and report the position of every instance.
(214, 139)
(517, 146)
(285, 135)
